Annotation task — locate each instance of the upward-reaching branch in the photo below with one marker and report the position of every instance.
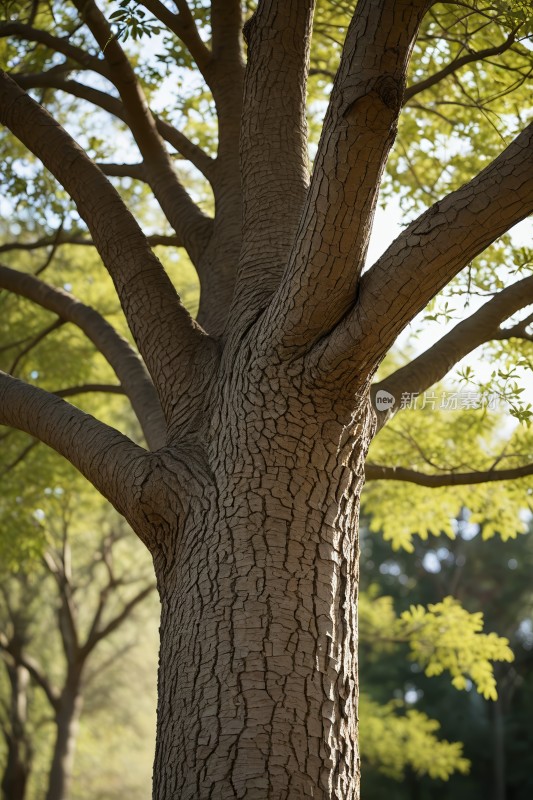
(183, 214)
(55, 79)
(428, 254)
(274, 159)
(223, 74)
(168, 339)
(320, 283)
(184, 26)
(227, 84)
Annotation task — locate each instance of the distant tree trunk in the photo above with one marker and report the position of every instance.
(258, 662)
(498, 732)
(19, 755)
(67, 720)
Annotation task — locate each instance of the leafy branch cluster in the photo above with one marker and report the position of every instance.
(394, 741)
(442, 637)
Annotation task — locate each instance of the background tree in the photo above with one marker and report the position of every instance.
(82, 599)
(258, 416)
(19, 751)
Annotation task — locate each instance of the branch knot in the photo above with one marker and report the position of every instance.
(390, 92)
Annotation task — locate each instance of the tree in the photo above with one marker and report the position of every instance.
(90, 602)
(19, 749)
(258, 415)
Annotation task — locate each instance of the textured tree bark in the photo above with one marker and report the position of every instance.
(258, 662)
(67, 720)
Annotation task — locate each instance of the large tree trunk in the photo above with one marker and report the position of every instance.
(258, 663)
(67, 720)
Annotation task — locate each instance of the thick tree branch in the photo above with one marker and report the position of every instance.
(227, 84)
(376, 472)
(273, 145)
(319, 285)
(432, 365)
(224, 74)
(104, 456)
(123, 359)
(55, 79)
(183, 214)
(157, 319)
(428, 254)
(226, 34)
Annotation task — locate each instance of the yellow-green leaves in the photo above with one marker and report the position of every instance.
(444, 442)
(377, 620)
(393, 741)
(445, 636)
(401, 511)
(442, 637)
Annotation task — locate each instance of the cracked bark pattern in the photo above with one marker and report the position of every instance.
(258, 651)
(432, 250)
(359, 129)
(273, 151)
